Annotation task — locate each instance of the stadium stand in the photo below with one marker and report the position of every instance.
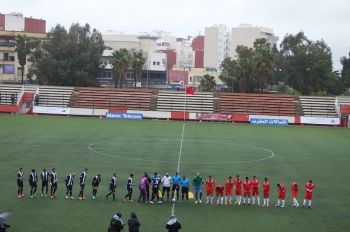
(174, 101)
(6, 91)
(107, 98)
(57, 96)
(342, 104)
(315, 106)
(257, 104)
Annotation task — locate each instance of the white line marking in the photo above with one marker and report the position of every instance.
(271, 154)
(178, 165)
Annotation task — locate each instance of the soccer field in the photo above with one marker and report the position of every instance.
(283, 154)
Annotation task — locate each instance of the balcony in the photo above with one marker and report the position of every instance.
(7, 44)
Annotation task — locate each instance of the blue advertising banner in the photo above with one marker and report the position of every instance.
(124, 116)
(266, 121)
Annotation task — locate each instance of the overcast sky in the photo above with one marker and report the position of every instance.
(319, 19)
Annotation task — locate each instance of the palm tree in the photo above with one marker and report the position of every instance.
(22, 49)
(137, 63)
(121, 60)
(208, 83)
(264, 61)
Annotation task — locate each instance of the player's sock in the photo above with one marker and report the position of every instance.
(240, 200)
(258, 200)
(264, 200)
(230, 200)
(304, 202)
(282, 203)
(211, 199)
(225, 199)
(309, 203)
(243, 200)
(248, 200)
(222, 200)
(267, 201)
(207, 199)
(278, 202)
(253, 200)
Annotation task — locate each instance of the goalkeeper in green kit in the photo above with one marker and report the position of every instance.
(197, 185)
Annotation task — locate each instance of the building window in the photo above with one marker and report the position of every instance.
(8, 69)
(154, 63)
(158, 63)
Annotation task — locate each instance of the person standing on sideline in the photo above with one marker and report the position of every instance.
(281, 195)
(266, 190)
(82, 181)
(166, 182)
(197, 184)
(209, 187)
(294, 191)
(173, 224)
(176, 186)
(112, 186)
(133, 223)
(44, 182)
(247, 187)
(185, 185)
(129, 186)
(53, 183)
(309, 187)
(116, 224)
(69, 185)
(255, 190)
(20, 176)
(229, 190)
(155, 188)
(238, 186)
(33, 182)
(95, 182)
(219, 191)
(143, 188)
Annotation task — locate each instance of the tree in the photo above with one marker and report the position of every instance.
(245, 69)
(121, 61)
(227, 74)
(137, 61)
(307, 65)
(264, 61)
(345, 73)
(24, 45)
(69, 58)
(208, 83)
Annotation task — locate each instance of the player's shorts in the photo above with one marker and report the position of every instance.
(82, 186)
(295, 194)
(198, 189)
(210, 191)
(94, 186)
(219, 193)
(44, 183)
(175, 186)
(238, 192)
(69, 187)
(167, 189)
(266, 194)
(281, 196)
(255, 192)
(54, 185)
(228, 192)
(112, 187)
(308, 196)
(20, 183)
(246, 193)
(155, 190)
(143, 191)
(184, 189)
(33, 184)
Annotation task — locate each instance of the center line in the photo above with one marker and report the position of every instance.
(178, 163)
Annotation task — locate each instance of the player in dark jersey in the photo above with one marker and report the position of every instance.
(112, 186)
(82, 181)
(69, 185)
(129, 185)
(95, 182)
(53, 182)
(44, 182)
(20, 176)
(33, 182)
(155, 187)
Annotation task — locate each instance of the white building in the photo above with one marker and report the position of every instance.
(216, 45)
(246, 35)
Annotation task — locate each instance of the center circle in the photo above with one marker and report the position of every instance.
(230, 152)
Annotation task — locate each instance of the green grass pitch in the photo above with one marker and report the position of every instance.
(282, 154)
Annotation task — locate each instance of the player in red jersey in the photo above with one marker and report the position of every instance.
(281, 195)
(255, 190)
(238, 187)
(210, 186)
(229, 190)
(266, 189)
(294, 191)
(219, 190)
(309, 187)
(247, 187)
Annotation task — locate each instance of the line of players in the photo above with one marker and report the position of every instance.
(250, 188)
